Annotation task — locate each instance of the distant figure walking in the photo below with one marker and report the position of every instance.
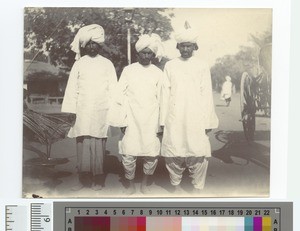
(227, 90)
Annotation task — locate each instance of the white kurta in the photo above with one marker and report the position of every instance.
(138, 94)
(88, 94)
(226, 90)
(187, 108)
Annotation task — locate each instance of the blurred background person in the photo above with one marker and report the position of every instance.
(227, 90)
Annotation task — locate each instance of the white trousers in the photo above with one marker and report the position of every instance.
(129, 163)
(197, 167)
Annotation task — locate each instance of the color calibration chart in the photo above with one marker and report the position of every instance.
(176, 216)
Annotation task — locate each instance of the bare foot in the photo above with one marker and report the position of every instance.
(177, 189)
(144, 188)
(131, 189)
(196, 191)
(77, 187)
(97, 187)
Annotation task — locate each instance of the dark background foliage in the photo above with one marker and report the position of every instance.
(48, 33)
(53, 29)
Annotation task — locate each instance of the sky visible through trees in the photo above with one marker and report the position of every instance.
(229, 39)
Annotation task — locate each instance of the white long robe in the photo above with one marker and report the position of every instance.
(88, 93)
(226, 90)
(187, 108)
(137, 99)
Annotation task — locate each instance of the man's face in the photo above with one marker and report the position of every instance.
(145, 56)
(186, 49)
(92, 48)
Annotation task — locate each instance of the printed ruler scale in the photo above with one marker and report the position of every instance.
(40, 217)
(15, 217)
(162, 216)
(106, 218)
(150, 216)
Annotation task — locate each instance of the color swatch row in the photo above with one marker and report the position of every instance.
(173, 223)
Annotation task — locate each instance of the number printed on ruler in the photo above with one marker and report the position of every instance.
(152, 211)
(78, 218)
(41, 218)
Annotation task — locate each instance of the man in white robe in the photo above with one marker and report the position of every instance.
(87, 99)
(227, 90)
(187, 113)
(138, 100)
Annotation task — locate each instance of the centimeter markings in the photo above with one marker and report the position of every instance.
(9, 217)
(40, 217)
(15, 218)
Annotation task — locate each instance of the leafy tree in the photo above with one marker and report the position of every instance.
(48, 32)
(246, 59)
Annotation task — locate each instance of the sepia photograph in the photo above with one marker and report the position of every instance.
(147, 102)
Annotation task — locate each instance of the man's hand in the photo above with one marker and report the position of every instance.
(160, 131)
(72, 118)
(207, 131)
(123, 129)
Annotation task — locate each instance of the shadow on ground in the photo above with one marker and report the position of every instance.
(235, 150)
(235, 145)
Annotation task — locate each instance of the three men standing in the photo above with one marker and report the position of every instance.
(180, 100)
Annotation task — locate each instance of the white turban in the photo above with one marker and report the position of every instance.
(92, 32)
(153, 42)
(186, 35)
(228, 78)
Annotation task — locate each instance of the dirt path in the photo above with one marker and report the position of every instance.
(236, 168)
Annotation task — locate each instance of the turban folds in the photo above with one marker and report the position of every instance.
(228, 78)
(91, 32)
(186, 35)
(153, 42)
